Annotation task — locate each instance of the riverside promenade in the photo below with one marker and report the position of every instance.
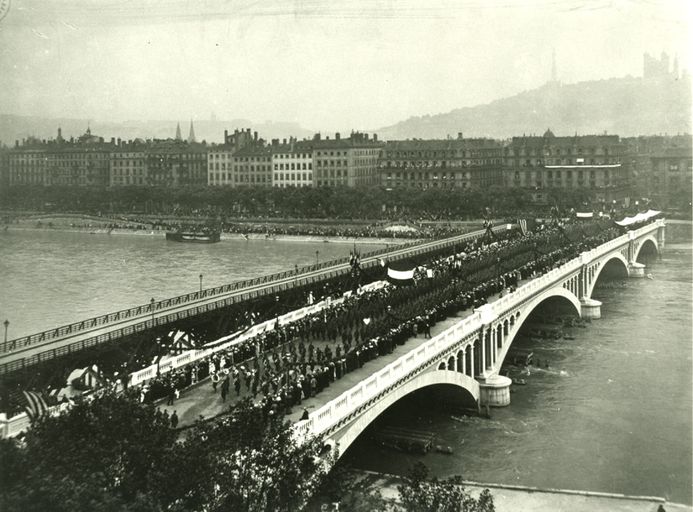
(518, 498)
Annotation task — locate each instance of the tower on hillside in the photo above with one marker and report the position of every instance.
(191, 135)
(178, 135)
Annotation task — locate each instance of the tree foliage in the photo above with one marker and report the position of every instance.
(420, 494)
(116, 454)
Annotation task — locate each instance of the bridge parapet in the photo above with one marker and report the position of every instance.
(336, 411)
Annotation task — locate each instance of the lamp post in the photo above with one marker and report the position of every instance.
(6, 323)
(200, 283)
(317, 257)
(152, 308)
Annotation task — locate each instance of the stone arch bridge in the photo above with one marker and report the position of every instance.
(469, 354)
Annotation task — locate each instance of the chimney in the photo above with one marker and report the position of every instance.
(112, 141)
(226, 136)
(254, 135)
(375, 137)
(337, 136)
(119, 141)
(459, 135)
(16, 143)
(283, 141)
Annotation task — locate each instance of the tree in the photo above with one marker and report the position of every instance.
(114, 454)
(418, 494)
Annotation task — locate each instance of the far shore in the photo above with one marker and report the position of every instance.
(224, 236)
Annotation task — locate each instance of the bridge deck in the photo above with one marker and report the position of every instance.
(200, 400)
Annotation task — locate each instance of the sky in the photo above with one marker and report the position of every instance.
(327, 65)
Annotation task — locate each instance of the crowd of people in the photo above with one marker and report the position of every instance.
(298, 360)
(301, 358)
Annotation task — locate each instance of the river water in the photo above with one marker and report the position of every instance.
(613, 412)
(51, 278)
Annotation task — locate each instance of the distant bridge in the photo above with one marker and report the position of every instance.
(469, 355)
(24, 352)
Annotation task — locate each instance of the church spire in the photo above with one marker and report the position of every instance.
(191, 135)
(178, 136)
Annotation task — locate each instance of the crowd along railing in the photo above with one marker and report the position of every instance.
(144, 310)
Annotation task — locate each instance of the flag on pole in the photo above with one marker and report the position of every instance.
(523, 226)
(36, 406)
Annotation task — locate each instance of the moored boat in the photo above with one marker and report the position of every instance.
(200, 237)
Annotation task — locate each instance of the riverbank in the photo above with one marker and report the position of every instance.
(224, 236)
(517, 498)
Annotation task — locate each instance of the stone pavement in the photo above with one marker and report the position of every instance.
(515, 498)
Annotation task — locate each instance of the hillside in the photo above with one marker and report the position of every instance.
(623, 106)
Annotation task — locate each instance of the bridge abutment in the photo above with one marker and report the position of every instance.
(494, 391)
(590, 308)
(636, 270)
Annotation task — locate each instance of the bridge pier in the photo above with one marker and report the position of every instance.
(590, 308)
(494, 391)
(636, 269)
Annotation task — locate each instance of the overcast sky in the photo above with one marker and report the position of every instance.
(324, 64)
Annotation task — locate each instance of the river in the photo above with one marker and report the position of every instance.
(613, 412)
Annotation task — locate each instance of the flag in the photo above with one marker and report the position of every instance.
(401, 272)
(523, 226)
(36, 406)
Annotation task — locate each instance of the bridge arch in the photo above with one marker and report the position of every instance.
(648, 246)
(557, 293)
(615, 262)
(432, 377)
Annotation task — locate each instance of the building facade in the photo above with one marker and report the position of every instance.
(292, 164)
(449, 163)
(252, 166)
(591, 163)
(672, 176)
(176, 163)
(347, 162)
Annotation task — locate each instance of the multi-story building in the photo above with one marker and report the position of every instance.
(292, 164)
(350, 162)
(672, 176)
(4, 167)
(448, 163)
(176, 163)
(76, 162)
(220, 161)
(589, 162)
(252, 166)
(80, 162)
(128, 163)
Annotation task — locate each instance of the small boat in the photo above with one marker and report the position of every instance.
(200, 237)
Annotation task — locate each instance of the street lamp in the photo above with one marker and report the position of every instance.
(200, 283)
(152, 309)
(6, 323)
(317, 257)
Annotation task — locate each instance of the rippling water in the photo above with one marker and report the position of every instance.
(53, 278)
(613, 412)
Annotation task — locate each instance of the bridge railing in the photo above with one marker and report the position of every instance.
(350, 401)
(141, 376)
(152, 309)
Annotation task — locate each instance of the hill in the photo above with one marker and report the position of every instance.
(624, 106)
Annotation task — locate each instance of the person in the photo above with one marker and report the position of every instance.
(225, 389)
(174, 419)
(171, 395)
(305, 414)
(215, 381)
